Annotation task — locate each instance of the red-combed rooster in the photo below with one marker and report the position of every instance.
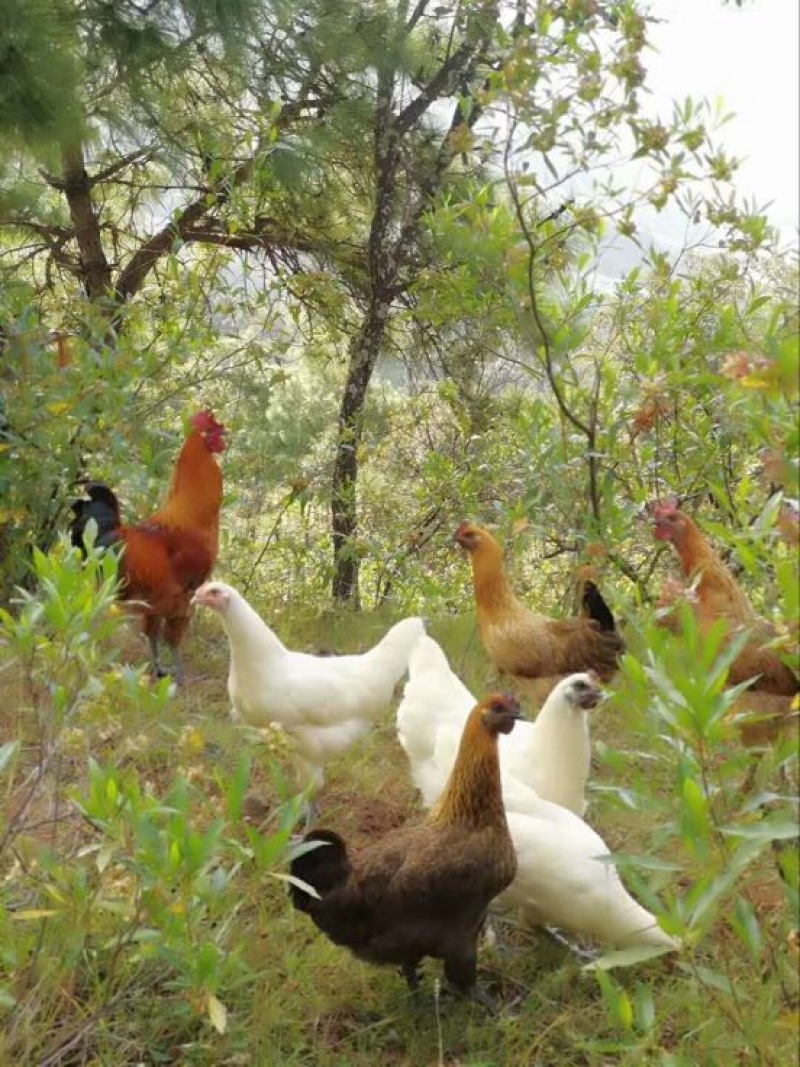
(168, 556)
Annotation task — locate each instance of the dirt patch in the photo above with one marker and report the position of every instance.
(363, 816)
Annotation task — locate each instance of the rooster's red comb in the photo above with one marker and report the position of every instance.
(204, 421)
(665, 509)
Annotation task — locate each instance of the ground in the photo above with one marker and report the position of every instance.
(303, 1001)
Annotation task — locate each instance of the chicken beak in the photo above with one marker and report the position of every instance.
(591, 699)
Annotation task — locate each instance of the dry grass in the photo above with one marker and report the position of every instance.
(307, 1002)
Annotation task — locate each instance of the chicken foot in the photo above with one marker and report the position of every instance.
(462, 973)
(309, 781)
(155, 666)
(476, 993)
(312, 813)
(583, 954)
(410, 971)
(173, 631)
(157, 670)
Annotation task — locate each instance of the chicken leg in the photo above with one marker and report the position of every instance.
(174, 629)
(312, 813)
(411, 974)
(152, 630)
(309, 781)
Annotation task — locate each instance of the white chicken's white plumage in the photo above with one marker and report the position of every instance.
(562, 878)
(551, 755)
(324, 703)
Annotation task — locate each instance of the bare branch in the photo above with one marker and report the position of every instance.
(416, 15)
(132, 277)
(140, 155)
(441, 84)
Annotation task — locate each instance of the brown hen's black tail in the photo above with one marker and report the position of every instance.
(103, 507)
(596, 608)
(323, 868)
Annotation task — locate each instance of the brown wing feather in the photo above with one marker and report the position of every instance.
(771, 714)
(421, 891)
(522, 643)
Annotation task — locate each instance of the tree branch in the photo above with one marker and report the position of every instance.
(140, 155)
(416, 15)
(248, 241)
(132, 277)
(436, 87)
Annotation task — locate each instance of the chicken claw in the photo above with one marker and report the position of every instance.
(411, 974)
(485, 999)
(312, 814)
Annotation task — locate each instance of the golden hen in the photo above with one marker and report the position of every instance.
(715, 594)
(539, 651)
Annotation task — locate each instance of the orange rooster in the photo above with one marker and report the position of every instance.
(538, 650)
(716, 595)
(167, 557)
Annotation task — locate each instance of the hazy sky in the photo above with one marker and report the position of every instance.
(750, 57)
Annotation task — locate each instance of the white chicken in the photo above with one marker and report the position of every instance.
(324, 703)
(564, 878)
(551, 755)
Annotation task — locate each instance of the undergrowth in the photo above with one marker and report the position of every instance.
(143, 837)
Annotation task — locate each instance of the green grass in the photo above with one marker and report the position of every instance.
(299, 1000)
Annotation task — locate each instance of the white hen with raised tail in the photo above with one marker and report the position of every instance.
(324, 703)
(551, 755)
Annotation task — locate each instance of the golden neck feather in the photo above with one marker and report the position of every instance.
(492, 588)
(473, 795)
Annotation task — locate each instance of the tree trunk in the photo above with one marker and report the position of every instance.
(396, 219)
(344, 512)
(95, 269)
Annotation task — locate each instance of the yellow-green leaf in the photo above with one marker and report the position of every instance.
(217, 1013)
(29, 914)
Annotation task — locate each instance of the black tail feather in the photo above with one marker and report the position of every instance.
(103, 507)
(596, 608)
(322, 868)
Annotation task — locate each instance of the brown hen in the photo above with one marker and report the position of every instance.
(422, 890)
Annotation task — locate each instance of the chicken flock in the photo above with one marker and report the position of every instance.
(505, 797)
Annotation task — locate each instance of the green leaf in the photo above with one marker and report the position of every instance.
(773, 828)
(712, 978)
(745, 923)
(7, 752)
(626, 957)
